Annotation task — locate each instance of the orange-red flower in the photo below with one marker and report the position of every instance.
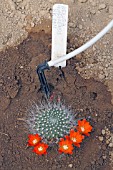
(33, 139)
(65, 146)
(40, 148)
(84, 127)
(76, 137)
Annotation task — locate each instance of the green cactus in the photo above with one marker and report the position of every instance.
(51, 121)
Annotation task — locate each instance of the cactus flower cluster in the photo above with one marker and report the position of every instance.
(67, 143)
(52, 123)
(75, 137)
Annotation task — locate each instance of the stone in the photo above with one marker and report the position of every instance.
(21, 66)
(110, 145)
(80, 27)
(101, 138)
(102, 6)
(70, 165)
(71, 24)
(32, 24)
(78, 57)
(101, 76)
(103, 132)
(106, 65)
(107, 141)
(104, 156)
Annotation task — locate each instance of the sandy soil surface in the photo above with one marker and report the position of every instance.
(19, 82)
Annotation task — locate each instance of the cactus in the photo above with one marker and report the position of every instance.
(51, 121)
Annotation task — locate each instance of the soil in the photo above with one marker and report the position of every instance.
(19, 88)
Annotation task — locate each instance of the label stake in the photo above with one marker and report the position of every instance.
(59, 32)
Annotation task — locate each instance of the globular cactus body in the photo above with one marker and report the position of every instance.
(51, 121)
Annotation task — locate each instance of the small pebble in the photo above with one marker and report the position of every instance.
(101, 138)
(103, 132)
(101, 76)
(70, 165)
(110, 145)
(107, 132)
(106, 65)
(107, 141)
(104, 156)
(71, 24)
(78, 57)
(102, 6)
(32, 24)
(80, 27)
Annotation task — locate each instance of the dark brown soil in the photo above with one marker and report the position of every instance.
(19, 86)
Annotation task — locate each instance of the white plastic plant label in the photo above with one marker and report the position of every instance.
(59, 32)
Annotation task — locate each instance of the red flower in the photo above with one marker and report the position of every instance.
(65, 146)
(76, 137)
(40, 148)
(33, 139)
(84, 127)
